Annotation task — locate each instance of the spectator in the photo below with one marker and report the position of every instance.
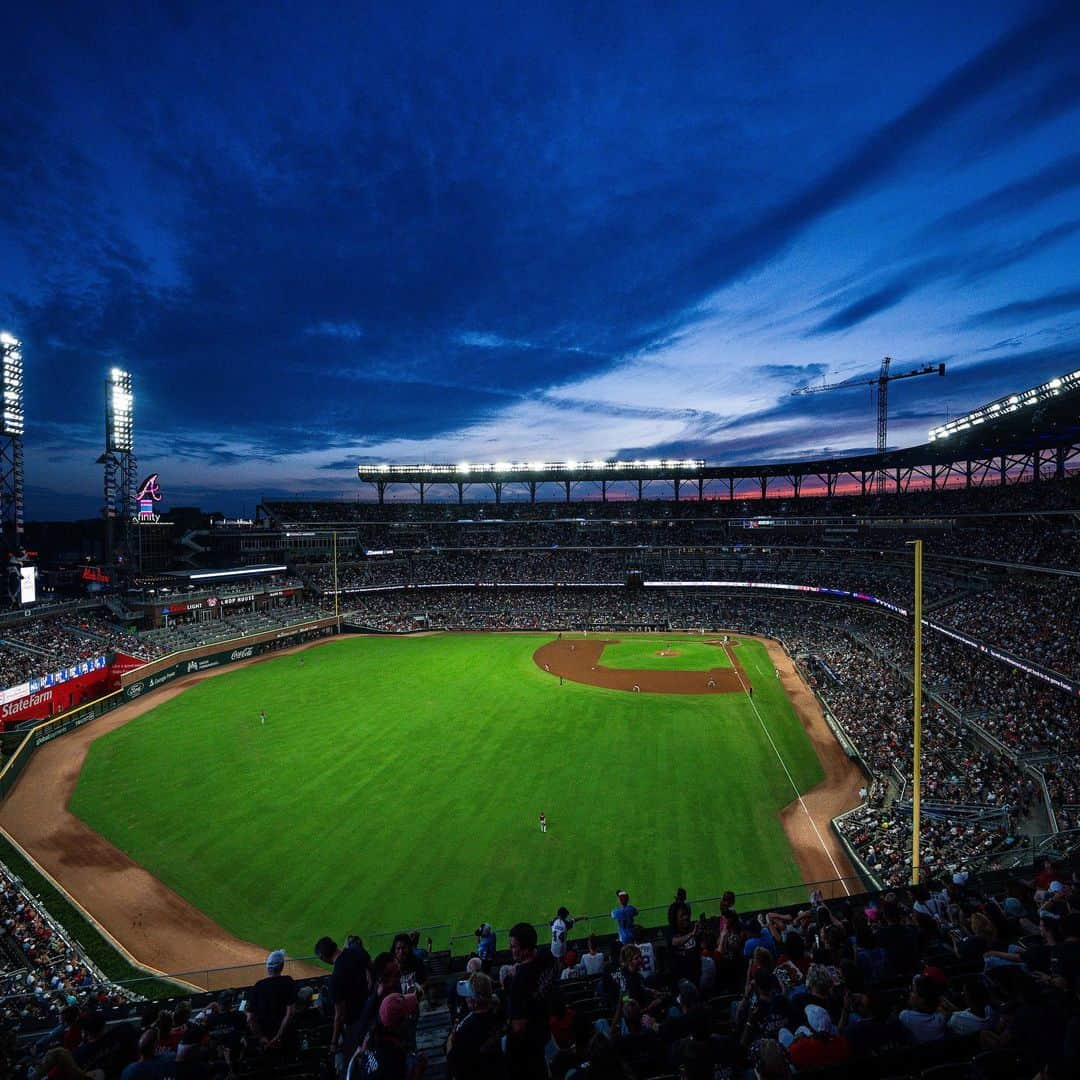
(346, 992)
(534, 975)
(271, 1005)
(560, 925)
(473, 1050)
(922, 1019)
(624, 916)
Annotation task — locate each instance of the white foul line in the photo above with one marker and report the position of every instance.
(783, 764)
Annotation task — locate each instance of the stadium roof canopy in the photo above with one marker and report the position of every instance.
(1035, 427)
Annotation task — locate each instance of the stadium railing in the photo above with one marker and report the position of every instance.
(237, 976)
(655, 915)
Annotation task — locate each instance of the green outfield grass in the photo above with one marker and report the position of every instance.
(398, 782)
(640, 653)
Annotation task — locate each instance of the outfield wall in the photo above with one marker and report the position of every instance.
(150, 677)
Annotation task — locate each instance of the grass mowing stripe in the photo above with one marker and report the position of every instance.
(398, 782)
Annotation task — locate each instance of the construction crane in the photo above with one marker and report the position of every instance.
(881, 381)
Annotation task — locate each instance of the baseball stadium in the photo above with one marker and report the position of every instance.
(479, 702)
(478, 602)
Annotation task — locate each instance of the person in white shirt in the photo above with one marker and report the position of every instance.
(562, 923)
(592, 962)
(921, 1019)
(977, 1016)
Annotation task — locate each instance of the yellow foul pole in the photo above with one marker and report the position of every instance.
(337, 594)
(916, 778)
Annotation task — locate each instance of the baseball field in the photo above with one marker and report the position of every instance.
(398, 782)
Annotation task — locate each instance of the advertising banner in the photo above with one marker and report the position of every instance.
(122, 663)
(46, 696)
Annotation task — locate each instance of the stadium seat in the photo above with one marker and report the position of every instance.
(1001, 1064)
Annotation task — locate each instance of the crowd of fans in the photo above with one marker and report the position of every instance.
(888, 578)
(34, 647)
(41, 969)
(1033, 619)
(889, 983)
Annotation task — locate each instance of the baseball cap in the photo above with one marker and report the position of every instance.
(819, 1020)
(622, 892)
(1056, 887)
(397, 1008)
(960, 877)
(1013, 907)
(276, 959)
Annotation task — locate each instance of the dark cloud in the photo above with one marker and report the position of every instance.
(866, 306)
(424, 220)
(1063, 302)
(972, 266)
(1015, 199)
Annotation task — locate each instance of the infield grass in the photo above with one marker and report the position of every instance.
(397, 782)
(643, 654)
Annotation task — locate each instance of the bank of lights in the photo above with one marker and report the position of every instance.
(121, 407)
(13, 421)
(509, 468)
(1010, 404)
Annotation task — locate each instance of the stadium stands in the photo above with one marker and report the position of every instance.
(962, 976)
(1001, 783)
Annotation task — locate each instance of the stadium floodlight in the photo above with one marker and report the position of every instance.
(571, 466)
(502, 466)
(463, 468)
(1005, 405)
(119, 412)
(12, 376)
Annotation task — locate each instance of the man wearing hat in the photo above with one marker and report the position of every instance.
(817, 1044)
(473, 1048)
(272, 1004)
(384, 1052)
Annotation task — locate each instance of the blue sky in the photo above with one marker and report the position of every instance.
(320, 234)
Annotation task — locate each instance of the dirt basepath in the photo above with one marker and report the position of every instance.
(156, 925)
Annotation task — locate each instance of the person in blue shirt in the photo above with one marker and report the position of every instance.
(485, 942)
(624, 916)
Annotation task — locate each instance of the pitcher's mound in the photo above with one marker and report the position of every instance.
(668, 652)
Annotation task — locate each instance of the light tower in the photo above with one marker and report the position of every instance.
(11, 446)
(119, 458)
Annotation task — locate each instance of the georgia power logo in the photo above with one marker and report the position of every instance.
(148, 493)
(242, 654)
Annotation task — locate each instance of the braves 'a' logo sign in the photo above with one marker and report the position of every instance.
(149, 493)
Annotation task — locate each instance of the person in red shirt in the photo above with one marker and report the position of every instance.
(819, 1047)
(1041, 881)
